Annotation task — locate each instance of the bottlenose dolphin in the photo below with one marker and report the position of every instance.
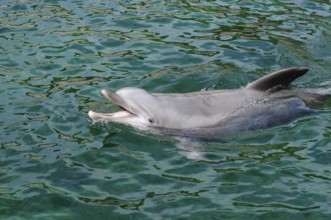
(264, 103)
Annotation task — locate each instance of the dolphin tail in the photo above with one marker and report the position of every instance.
(278, 79)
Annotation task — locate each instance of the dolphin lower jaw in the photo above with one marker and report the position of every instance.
(120, 116)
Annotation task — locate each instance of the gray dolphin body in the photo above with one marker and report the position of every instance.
(264, 103)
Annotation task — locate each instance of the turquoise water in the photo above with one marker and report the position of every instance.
(57, 55)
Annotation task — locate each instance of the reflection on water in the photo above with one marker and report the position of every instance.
(56, 56)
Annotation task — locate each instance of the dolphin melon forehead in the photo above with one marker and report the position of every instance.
(136, 97)
(130, 91)
(132, 99)
(121, 96)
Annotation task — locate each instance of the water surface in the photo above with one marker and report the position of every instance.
(57, 55)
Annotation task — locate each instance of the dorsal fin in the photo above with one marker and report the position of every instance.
(281, 78)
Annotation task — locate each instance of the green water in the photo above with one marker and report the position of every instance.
(57, 55)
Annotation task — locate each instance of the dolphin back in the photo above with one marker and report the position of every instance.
(278, 79)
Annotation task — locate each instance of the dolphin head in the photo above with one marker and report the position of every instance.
(174, 111)
(137, 107)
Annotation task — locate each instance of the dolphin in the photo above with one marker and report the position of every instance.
(264, 103)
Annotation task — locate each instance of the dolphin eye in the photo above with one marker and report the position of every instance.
(151, 120)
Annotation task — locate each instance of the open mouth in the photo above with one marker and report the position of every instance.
(116, 116)
(95, 116)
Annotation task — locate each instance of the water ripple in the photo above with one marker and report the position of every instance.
(56, 56)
